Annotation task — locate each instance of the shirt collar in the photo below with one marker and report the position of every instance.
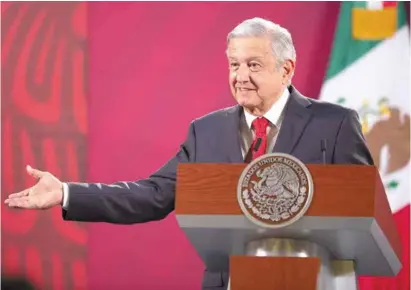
(274, 113)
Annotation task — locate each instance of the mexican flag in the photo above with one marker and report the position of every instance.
(369, 70)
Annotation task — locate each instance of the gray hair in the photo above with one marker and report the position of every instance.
(282, 43)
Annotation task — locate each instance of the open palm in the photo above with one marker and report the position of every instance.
(46, 193)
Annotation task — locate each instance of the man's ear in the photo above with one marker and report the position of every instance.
(288, 69)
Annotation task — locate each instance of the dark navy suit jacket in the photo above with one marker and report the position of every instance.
(215, 138)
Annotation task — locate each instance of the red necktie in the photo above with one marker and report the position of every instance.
(260, 140)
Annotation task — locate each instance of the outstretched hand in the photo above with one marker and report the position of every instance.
(46, 193)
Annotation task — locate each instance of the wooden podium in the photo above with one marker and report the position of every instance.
(347, 231)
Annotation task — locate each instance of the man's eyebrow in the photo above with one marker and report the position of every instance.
(248, 59)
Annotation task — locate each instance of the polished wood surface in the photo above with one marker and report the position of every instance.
(339, 190)
(269, 273)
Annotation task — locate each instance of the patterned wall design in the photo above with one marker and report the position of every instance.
(44, 124)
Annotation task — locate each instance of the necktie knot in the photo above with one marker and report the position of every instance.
(260, 126)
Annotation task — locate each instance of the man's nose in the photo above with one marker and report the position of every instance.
(243, 74)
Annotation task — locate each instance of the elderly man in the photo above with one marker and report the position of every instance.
(271, 116)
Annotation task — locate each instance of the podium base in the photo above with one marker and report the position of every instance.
(289, 264)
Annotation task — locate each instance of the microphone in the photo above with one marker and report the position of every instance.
(324, 149)
(257, 144)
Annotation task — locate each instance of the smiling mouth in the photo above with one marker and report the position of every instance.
(244, 89)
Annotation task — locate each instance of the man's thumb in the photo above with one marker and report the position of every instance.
(34, 172)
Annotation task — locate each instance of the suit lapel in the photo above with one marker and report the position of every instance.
(296, 117)
(231, 135)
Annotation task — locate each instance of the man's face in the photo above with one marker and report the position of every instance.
(255, 81)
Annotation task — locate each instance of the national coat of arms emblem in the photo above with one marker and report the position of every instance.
(275, 190)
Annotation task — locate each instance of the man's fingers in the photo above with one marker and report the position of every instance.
(35, 172)
(20, 194)
(25, 202)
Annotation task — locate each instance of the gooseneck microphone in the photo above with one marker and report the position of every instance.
(323, 149)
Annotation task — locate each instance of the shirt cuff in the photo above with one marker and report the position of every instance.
(65, 195)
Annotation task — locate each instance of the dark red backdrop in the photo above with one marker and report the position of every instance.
(161, 64)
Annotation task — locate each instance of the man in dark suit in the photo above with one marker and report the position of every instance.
(270, 112)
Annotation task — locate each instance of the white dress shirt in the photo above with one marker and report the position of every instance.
(274, 115)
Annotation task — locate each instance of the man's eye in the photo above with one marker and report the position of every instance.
(254, 65)
(233, 65)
